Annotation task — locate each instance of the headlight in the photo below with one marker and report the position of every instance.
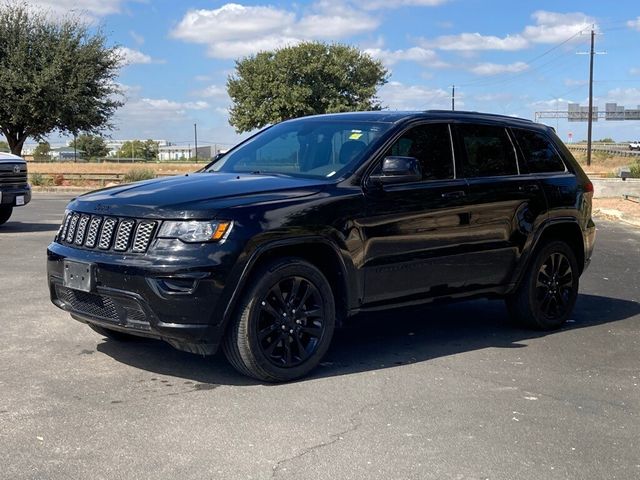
(193, 231)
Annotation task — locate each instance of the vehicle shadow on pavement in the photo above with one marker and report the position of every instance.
(28, 227)
(375, 341)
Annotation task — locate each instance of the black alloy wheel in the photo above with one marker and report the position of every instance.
(554, 286)
(290, 322)
(549, 289)
(284, 322)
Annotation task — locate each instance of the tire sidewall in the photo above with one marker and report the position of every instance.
(553, 247)
(266, 280)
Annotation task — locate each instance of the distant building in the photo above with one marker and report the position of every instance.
(174, 152)
(65, 153)
(115, 145)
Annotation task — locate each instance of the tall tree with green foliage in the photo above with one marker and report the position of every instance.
(42, 152)
(306, 79)
(147, 150)
(93, 146)
(55, 75)
(4, 146)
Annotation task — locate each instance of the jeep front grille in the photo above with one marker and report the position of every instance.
(107, 233)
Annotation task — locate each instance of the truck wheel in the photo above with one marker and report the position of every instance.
(283, 324)
(548, 292)
(5, 214)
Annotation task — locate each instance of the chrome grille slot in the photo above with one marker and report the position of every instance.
(123, 235)
(72, 228)
(92, 234)
(82, 229)
(144, 232)
(107, 233)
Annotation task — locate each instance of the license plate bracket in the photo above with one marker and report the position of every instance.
(79, 275)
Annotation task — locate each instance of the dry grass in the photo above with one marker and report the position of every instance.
(603, 162)
(71, 167)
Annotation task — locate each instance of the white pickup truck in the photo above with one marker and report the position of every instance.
(634, 145)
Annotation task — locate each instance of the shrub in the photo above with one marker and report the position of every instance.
(635, 170)
(58, 179)
(137, 174)
(39, 180)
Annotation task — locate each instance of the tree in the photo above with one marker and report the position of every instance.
(4, 147)
(55, 75)
(148, 150)
(306, 79)
(42, 151)
(92, 145)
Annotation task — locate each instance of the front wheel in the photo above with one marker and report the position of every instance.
(548, 292)
(5, 214)
(284, 323)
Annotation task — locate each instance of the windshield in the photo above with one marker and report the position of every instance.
(308, 148)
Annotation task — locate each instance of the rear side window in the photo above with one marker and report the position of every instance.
(488, 151)
(431, 145)
(539, 153)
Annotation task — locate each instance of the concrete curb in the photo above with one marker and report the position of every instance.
(77, 190)
(616, 215)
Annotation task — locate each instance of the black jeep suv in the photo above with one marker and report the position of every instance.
(315, 219)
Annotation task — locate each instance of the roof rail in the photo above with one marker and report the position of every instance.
(470, 112)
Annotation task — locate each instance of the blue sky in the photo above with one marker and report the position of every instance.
(508, 57)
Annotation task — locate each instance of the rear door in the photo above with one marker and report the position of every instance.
(504, 206)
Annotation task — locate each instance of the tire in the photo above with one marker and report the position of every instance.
(547, 294)
(112, 334)
(5, 214)
(283, 324)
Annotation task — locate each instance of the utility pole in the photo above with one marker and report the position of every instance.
(453, 97)
(590, 124)
(195, 133)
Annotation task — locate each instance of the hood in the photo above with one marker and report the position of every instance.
(195, 195)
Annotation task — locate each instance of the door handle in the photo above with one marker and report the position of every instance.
(532, 187)
(455, 194)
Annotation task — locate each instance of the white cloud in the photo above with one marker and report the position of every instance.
(212, 91)
(552, 27)
(133, 57)
(553, 104)
(139, 39)
(419, 55)
(91, 8)
(496, 68)
(233, 30)
(399, 96)
(476, 41)
(635, 24)
(629, 97)
(388, 4)
(150, 117)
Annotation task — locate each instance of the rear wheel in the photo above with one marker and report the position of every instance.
(5, 214)
(548, 292)
(284, 323)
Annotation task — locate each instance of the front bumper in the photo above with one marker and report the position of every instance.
(9, 196)
(142, 296)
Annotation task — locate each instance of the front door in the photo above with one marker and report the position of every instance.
(413, 233)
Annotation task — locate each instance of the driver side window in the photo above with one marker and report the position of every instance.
(430, 144)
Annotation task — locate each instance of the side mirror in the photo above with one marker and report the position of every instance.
(399, 170)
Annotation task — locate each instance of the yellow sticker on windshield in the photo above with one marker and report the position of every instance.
(355, 136)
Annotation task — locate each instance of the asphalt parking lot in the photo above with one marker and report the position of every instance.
(444, 392)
